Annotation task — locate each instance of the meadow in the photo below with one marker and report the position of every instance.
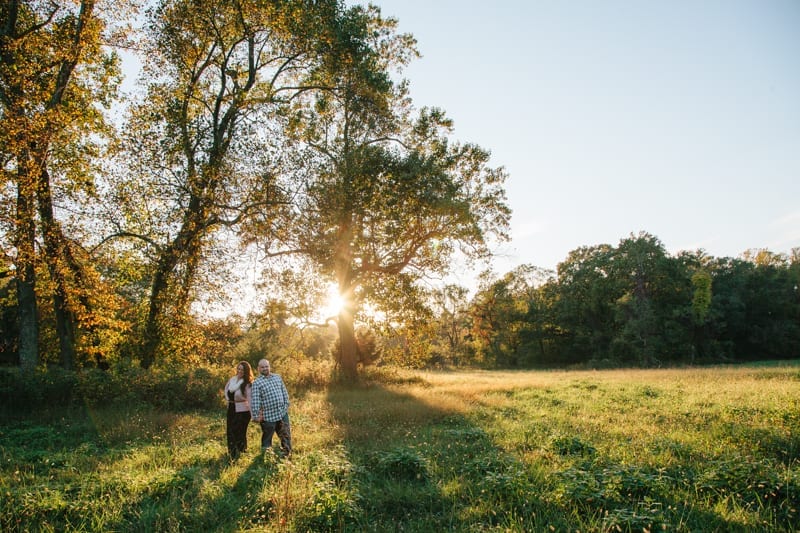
(695, 449)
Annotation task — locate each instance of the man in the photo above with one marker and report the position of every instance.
(269, 405)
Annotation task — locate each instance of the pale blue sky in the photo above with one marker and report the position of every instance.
(680, 118)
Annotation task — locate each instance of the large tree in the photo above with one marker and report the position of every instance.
(55, 75)
(217, 71)
(387, 197)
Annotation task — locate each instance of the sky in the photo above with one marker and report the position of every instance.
(678, 118)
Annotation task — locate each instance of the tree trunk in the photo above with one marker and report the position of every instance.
(185, 247)
(348, 352)
(65, 328)
(348, 356)
(57, 264)
(152, 328)
(26, 270)
(28, 346)
(182, 301)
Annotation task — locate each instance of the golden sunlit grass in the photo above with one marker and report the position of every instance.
(712, 449)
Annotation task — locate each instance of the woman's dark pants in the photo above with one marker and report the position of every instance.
(237, 430)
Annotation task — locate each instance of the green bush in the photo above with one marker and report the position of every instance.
(97, 386)
(197, 387)
(123, 383)
(570, 445)
(203, 387)
(24, 391)
(331, 509)
(400, 464)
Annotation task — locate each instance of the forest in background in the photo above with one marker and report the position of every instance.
(286, 130)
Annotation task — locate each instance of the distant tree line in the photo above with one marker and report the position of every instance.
(630, 304)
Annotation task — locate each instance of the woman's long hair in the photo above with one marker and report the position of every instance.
(247, 377)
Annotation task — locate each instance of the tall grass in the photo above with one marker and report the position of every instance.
(712, 449)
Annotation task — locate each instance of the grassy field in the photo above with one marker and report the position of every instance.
(713, 449)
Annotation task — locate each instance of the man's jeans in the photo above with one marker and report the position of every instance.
(284, 431)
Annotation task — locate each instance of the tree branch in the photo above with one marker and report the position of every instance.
(124, 234)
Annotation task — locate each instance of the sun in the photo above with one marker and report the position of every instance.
(333, 303)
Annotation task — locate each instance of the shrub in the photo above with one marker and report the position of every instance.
(123, 383)
(332, 507)
(97, 386)
(305, 373)
(169, 387)
(202, 388)
(564, 445)
(25, 391)
(400, 464)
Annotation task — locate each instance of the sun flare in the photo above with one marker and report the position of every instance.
(333, 303)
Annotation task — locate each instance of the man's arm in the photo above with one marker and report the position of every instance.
(285, 394)
(255, 403)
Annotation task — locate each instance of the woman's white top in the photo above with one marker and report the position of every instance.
(242, 401)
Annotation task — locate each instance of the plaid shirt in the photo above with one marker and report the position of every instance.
(269, 398)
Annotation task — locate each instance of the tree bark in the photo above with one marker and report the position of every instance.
(26, 273)
(184, 248)
(152, 328)
(57, 264)
(348, 356)
(348, 352)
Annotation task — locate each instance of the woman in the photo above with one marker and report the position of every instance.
(237, 392)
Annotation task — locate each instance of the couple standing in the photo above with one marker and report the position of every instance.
(265, 400)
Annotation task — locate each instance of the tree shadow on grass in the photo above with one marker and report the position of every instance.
(418, 466)
(423, 467)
